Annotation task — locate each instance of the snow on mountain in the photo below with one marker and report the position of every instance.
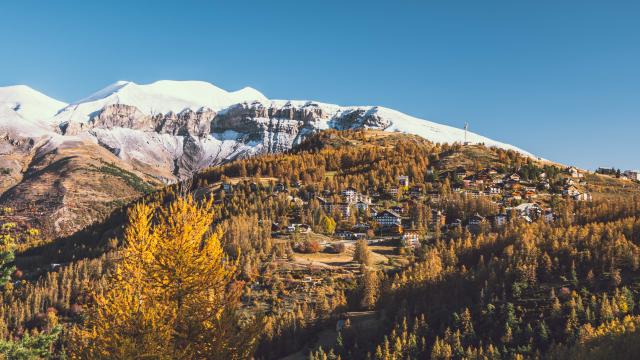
(159, 97)
(390, 120)
(29, 103)
(11, 122)
(176, 128)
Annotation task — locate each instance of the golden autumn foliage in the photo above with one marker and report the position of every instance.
(170, 297)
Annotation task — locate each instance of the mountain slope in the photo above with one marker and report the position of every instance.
(179, 127)
(164, 132)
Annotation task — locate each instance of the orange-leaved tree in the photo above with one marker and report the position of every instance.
(172, 295)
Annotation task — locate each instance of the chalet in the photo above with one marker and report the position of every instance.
(416, 191)
(585, 196)
(438, 218)
(299, 228)
(434, 196)
(493, 190)
(476, 221)
(529, 192)
(388, 218)
(392, 191)
(373, 211)
(633, 174)
(454, 224)
(499, 220)
(344, 209)
(410, 239)
(570, 190)
(329, 207)
(344, 234)
(513, 177)
(253, 186)
(573, 171)
(532, 210)
(398, 209)
(349, 194)
(469, 181)
(361, 206)
(403, 181)
(460, 171)
(490, 171)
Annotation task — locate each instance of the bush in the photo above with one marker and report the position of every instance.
(308, 246)
(337, 248)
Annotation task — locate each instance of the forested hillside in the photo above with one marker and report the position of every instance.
(353, 245)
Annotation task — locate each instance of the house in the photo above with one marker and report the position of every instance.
(460, 171)
(410, 239)
(493, 190)
(344, 209)
(570, 190)
(531, 210)
(455, 223)
(585, 196)
(398, 209)
(438, 218)
(416, 191)
(388, 218)
(329, 207)
(373, 211)
(227, 187)
(403, 180)
(361, 206)
(344, 234)
(476, 221)
(573, 171)
(513, 177)
(299, 228)
(633, 174)
(434, 196)
(499, 220)
(349, 195)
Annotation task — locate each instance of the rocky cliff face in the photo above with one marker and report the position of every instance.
(185, 142)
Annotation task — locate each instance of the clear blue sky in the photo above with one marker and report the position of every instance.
(558, 78)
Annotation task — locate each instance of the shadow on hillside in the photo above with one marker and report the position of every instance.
(91, 242)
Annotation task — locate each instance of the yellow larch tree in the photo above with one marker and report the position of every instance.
(171, 296)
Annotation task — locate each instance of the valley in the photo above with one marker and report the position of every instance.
(358, 221)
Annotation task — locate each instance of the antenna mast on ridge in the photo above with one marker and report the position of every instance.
(466, 127)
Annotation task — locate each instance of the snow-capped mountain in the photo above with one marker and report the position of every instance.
(173, 128)
(29, 103)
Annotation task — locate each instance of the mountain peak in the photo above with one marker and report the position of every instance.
(162, 96)
(29, 103)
